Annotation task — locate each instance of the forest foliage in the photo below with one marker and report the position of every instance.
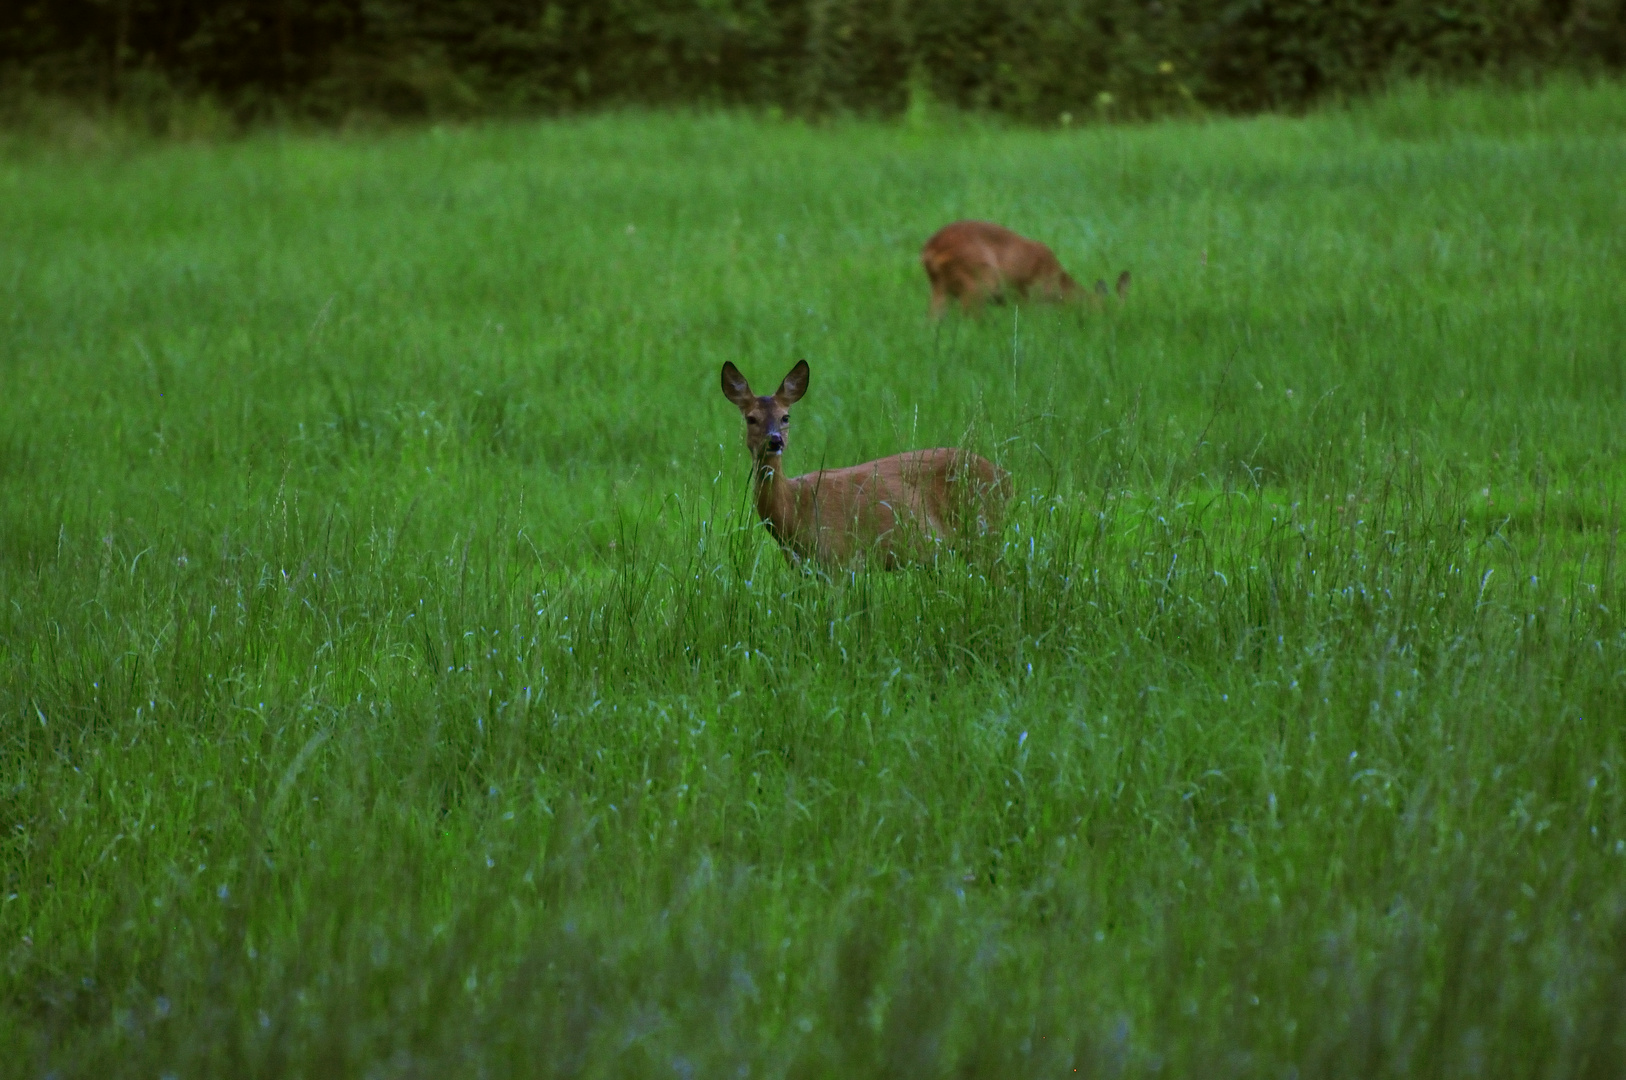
(1044, 60)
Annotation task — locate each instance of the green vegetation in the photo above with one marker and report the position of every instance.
(180, 64)
(394, 683)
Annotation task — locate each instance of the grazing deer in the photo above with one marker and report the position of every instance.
(898, 509)
(974, 261)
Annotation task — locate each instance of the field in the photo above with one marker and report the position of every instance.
(394, 681)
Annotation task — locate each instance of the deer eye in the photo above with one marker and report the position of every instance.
(785, 419)
(751, 420)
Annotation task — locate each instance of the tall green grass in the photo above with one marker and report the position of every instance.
(395, 683)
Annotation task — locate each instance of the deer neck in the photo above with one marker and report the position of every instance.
(773, 498)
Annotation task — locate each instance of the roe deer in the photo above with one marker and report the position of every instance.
(899, 508)
(974, 261)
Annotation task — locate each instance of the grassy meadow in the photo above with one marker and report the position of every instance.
(394, 681)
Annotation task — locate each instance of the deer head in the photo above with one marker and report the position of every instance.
(767, 419)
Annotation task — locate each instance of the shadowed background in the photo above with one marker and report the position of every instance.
(1042, 60)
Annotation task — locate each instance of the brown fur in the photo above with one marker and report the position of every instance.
(898, 509)
(977, 261)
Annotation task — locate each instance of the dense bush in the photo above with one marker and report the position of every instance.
(1033, 58)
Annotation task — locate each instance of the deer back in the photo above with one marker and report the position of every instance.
(974, 260)
(901, 508)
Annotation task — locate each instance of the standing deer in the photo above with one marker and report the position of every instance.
(974, 261)
(898, 509)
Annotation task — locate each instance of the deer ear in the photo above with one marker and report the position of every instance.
(735, 388)
(795, 385)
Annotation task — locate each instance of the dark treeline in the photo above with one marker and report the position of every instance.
(1031, 58)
